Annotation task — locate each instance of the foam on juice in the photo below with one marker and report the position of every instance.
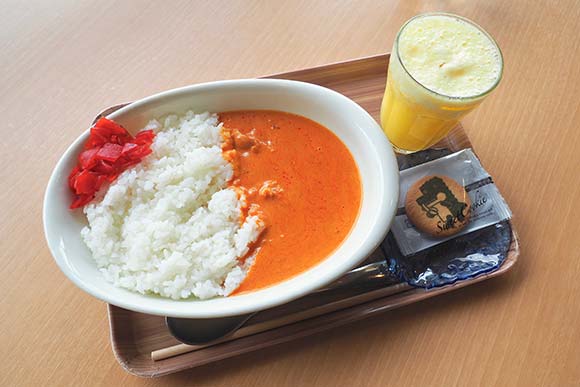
(449, 56)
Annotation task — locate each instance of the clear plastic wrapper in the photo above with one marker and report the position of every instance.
(488, 206)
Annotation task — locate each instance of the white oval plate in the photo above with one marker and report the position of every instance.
(352, 124)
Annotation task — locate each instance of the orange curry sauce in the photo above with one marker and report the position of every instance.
(304, 182)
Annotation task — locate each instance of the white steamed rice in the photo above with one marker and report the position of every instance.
(170, 225)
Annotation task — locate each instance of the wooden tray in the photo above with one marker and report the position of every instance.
(134, 336)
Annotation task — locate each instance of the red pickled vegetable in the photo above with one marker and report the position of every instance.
(109, 151)
(73, 176)
(111, 127)
(85, 182)
(88, 159)
(144, 137)
(127, 148)
(96, 138)
(140, 151)
(104, 168)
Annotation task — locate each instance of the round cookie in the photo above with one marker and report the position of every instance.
(438, 205)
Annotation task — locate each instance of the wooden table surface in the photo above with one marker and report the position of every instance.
(62, 61)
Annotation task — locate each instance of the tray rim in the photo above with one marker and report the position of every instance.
(406, 297)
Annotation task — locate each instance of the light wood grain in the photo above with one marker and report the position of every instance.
(62, 61)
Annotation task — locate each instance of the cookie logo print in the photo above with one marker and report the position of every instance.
(438, 201)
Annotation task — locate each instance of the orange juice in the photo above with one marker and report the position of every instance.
(442, 66)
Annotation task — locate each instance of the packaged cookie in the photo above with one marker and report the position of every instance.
(450, 196)
(438, 205)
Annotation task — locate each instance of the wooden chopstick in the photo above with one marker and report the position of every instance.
(180, 349)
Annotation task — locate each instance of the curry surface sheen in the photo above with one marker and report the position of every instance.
(312, 193)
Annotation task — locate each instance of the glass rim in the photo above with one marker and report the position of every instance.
(451, 15)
